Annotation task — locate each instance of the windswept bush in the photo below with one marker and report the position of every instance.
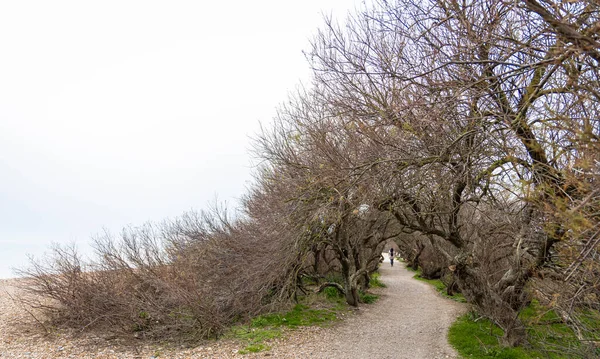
(190, 277)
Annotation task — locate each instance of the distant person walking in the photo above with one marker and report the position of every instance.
(392, 256)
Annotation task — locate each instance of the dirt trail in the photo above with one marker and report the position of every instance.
(410, 320)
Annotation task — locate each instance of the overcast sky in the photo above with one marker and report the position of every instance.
(119, 112)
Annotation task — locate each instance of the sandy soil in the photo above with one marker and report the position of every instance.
(410, 320)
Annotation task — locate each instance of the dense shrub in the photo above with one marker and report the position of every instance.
(191, 278)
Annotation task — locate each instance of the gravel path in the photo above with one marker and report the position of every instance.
(410, 320)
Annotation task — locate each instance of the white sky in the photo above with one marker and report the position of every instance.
(119, 112)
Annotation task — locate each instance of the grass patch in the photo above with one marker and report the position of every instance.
(321, 310)
(478, 338)
(300, 315)
(375, 281)
(367, 298)
(549, 338)
(254, 348)
(439, 286)
(265, 328)
(332, 293)
(255, 335)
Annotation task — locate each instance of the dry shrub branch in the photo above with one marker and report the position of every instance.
(189, 278)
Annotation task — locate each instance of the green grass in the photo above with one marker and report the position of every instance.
(548, 336)
(364, 297)
(438, 285)
(367, 298)
(375, 281)
(254, 348)
(321, 310)
(254, 335)
(300, 315)
(332, 293)
(479, 340)
(264, 328)
(478, 337)
(591, 320)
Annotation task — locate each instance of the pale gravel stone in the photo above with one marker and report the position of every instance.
(410, 320)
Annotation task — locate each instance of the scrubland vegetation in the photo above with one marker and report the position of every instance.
(465, 131)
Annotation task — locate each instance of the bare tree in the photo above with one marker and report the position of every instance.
(469, 108)
(310, 150)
